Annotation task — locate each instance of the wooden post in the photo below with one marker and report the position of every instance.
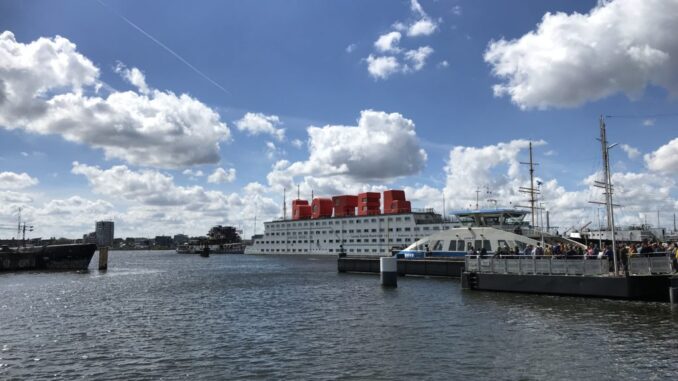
(103, 258)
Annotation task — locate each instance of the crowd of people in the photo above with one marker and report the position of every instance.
(592, 251)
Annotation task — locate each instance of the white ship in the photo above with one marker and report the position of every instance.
(330, 226)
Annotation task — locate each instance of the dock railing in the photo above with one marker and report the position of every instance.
(647, 264)
(537, 265)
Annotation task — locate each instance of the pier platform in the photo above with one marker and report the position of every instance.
(443, 267)
(571, 277)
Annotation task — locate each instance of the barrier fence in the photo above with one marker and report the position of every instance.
(560, 265)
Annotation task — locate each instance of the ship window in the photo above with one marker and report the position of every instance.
(358, 240)
(407, 218)
(453, 246)
(331, 250)
(374, 230)
(351, 250)
(350, 231)
(374, 240)
(398, 240)
(407, 229)
(366, 230)
(381, 240)
(398, 229)
(436, 228)
(438, 246)
(350, 240)
(374, 250)
(390, 219)
(397, 218)
(381, 219)
(359, 250)
(373, 220)
(426, 228)
(416, 229)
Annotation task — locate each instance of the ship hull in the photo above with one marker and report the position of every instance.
(50, 257)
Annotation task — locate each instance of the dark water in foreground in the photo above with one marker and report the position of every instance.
(160, 315)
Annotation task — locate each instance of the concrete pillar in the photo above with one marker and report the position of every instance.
(103, 258)
(673, 295)
(388, 268)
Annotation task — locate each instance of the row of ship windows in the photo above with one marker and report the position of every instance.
(358, 240)
(336, 222)
(381, 230)
(330, 250)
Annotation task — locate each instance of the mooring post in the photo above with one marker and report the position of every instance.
(388, 269)
(103, 258)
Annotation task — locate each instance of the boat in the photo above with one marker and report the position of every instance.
(47, 257)
(205, 252)
(458, 242)
(330, 226)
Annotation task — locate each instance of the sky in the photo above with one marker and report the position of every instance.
(170, 117)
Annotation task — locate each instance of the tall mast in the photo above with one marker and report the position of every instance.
(531, 191)
(608, 188)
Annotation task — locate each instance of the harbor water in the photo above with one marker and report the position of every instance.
(162, 315)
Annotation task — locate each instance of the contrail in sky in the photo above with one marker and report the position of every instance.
(175, 54)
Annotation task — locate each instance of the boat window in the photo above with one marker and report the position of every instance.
(438, 246)
(453, 246)
(487, 245)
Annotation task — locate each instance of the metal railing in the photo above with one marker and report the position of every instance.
(542, 265)
(648, 264)
(658, 263)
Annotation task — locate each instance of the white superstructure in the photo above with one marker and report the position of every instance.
(356, 235)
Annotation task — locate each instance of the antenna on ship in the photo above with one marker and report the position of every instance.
(477, 196)
(531, 191)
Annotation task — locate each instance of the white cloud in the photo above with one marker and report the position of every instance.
(220, 176)
(388, 42)
(12, 180)
(422, 27)
(457, 10)
(648, 122)
(193, 173)
(619, 46)
(664, 159)
(257, 124)
(161, 206)
(43, 87)
(350, 48)
(381, 147)
(382, 67)
(133, 76)
(443, 64)
(417, 58)
(416, 8)
(631, 152)
(297, 143)
(271, 150)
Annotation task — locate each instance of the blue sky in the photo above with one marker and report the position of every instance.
(296, 64)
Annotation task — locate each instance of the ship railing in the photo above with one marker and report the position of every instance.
(537, 265)
(652, 263)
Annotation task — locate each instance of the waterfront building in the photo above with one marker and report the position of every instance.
(180, 239)
(104, 233)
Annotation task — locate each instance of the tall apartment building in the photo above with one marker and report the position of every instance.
(104, 233)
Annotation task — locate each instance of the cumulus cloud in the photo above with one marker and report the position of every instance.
(44, 86)
(388, 42)
(12, 180)
(220, 176)
(381, 147)
(620, 46)
(631, 152)
(257, 124)
(193, 173)
(390, 58)
(350, 48)
(382, 67)
(664, 159)
(160, 204)
(417, 58)
(133, 76)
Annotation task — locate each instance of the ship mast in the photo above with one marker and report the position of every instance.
(531, 190)
(609, 206)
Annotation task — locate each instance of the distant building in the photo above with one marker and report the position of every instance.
(89, 237)
(163, 241)
(104, 233)
(180, 239)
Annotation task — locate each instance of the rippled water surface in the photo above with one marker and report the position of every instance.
(161, 315)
